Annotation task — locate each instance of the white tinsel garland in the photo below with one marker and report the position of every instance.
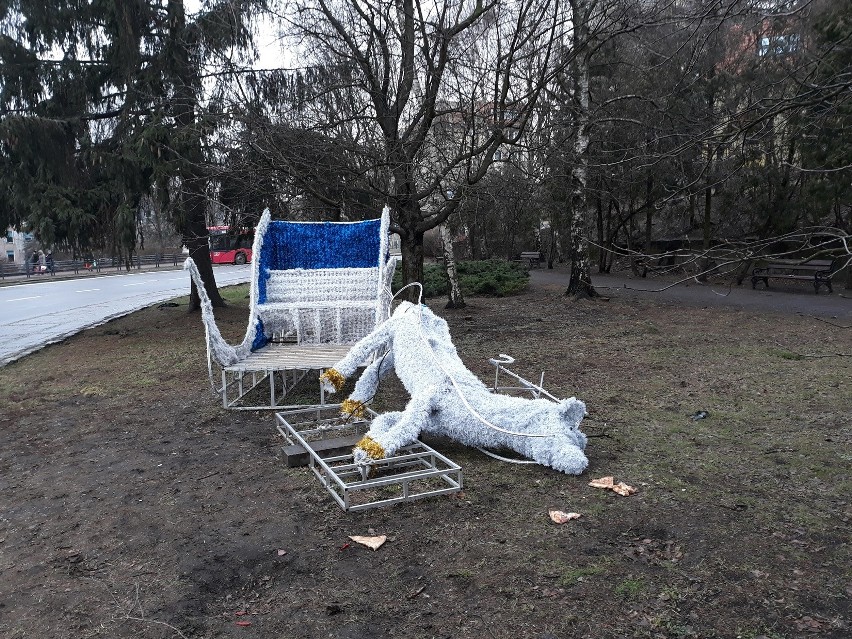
(447, 399)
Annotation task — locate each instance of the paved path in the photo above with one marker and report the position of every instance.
(45, 310)
(783, 298)
(20, 335)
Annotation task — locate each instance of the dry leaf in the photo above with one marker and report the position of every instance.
(603, 482)
(609, 483)
(373, 543)
(281, 552)
(623, 489)
(560, 517)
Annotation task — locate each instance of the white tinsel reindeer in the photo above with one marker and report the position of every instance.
(447, 399)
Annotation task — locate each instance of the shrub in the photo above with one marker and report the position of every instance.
(483, 277)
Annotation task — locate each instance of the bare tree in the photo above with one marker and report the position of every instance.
(417, 96)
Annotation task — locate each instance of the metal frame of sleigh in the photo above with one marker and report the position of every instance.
(322, 438)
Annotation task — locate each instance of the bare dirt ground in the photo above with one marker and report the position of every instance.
(133, 505)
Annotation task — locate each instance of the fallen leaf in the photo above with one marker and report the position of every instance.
(603, 482)
(560, 517)
(240, 613)
(243, 623)
(609, 483)
(373, 543)
(412, 595)
(808, 624)
(281, 553)
(623, 489)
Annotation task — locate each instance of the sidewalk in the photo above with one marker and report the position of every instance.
(11, 280)
(785, 297)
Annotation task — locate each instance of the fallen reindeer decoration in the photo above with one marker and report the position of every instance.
(449, 400)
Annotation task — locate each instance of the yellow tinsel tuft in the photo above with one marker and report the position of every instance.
(370, 446)
(333, 377)
(353, 407)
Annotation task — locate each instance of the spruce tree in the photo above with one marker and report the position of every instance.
(100, 100)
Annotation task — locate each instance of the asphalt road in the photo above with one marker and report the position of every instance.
(45, 311)
(783, 297)
(42, 311)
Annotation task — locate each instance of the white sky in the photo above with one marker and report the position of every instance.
(269, 46)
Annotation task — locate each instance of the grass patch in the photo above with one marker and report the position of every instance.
(630, 588)
(571, 576)
(739, 518)
(784, 354)
(495, 278)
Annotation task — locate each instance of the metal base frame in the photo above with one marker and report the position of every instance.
(415, 472)
(526, 387)
(282, 367)
(237, 384)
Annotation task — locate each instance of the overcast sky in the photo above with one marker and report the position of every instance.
(268, 45)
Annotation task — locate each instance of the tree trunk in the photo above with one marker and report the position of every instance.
(707, 228)
(194, 226)
(551, 250)
(610, 236)
(580, 282)
(693, 205)
(602, 254)
(649, 215)
(708, 190)
(195, 237)
(456, 300)
(411, 247)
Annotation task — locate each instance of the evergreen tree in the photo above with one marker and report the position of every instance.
(101, 99)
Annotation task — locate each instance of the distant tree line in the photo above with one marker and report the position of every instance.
(586, 129)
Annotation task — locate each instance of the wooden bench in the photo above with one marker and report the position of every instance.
(533, 258)
(819, 272)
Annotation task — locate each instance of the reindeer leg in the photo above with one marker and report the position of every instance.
(367, 385)
(391, 431)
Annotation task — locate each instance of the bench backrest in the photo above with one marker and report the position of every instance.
(830, 265)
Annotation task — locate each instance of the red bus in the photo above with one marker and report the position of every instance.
(229, 245)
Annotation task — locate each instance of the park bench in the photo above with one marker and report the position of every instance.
(532, 258)
(817, 271)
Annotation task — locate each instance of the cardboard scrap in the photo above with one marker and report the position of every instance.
(560, 517)
(608, 483)
(373, 543)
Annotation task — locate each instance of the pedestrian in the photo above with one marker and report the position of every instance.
(49, 263)
(34, 262)
(42, 262)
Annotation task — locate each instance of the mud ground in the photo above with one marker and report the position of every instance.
(133, 505)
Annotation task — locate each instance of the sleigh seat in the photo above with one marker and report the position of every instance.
(316, 288)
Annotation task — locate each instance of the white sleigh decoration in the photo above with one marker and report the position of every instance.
(449, 400)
